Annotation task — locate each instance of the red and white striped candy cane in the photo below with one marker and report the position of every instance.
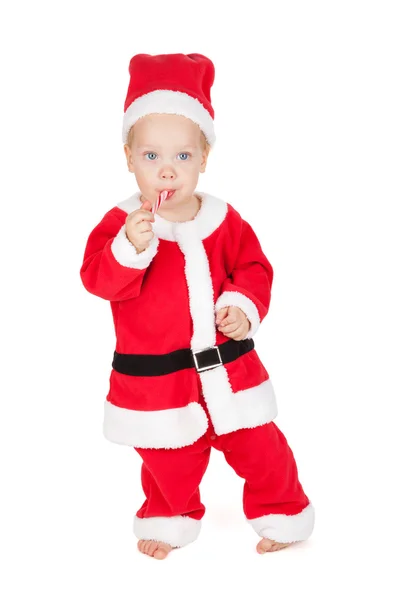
(162, 197)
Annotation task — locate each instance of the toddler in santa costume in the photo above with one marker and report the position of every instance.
(189, 286)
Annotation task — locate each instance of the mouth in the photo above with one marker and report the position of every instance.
(169, 191)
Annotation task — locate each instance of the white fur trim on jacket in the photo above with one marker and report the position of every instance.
(285, 528)
(176, 531)
(169, 102)
(240, 410)
(126, 254)
(212, 213)
(245, 304)
(171, 428)
(229, 410)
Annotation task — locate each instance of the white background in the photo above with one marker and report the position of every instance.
(316, 116)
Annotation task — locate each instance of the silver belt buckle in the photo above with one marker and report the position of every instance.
(200, 369)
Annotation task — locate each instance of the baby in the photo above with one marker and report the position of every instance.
(189, 286)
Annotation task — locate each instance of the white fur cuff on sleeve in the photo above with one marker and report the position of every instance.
(126, 254)
(245, 304)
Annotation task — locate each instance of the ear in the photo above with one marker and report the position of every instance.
(128, 155)
(204, 159)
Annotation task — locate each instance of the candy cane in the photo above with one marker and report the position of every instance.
(162, 197)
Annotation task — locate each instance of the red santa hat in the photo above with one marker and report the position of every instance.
(170, 83)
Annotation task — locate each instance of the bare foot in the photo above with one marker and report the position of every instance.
(266, 545)
(157, 550)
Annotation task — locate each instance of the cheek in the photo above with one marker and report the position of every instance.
(144, 168)
(189, 170)
(194, 163)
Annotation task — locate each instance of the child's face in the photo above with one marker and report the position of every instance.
(166, 153)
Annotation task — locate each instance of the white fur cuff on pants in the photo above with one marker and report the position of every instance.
(176, 531)
(285, 528)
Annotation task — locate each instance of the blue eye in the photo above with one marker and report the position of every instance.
(186, 154)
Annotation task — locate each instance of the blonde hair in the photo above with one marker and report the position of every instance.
(205, 147)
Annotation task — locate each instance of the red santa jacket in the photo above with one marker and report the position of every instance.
(165, 299)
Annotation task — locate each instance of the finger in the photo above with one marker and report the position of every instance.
(239, 334)
(237, 313)
(221, 314)
(235, 335)
(234, 314)
(230, 328)
(147, 236)
(146, 205)
(141, 215)
(144, 226)
(229, 320)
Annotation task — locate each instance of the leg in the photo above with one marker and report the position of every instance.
(173, 510)
(274, 502)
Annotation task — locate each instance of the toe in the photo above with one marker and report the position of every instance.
(162, 551)
(147, 546)
(281, 546)
(277, 546)
(158, 550)
(151, 546)
(267, 545)
(264, 546)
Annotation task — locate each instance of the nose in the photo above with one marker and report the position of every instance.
(168, 172)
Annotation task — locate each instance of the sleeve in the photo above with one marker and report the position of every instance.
(111, 267)
(250, 283)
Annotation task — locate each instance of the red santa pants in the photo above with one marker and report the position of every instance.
(274, 502)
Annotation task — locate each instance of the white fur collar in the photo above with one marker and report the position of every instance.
(210, 216)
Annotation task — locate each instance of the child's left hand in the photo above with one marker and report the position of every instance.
(232, 322)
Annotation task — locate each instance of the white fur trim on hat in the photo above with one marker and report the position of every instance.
(169, 102)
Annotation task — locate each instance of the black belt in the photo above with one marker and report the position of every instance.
(163, 364)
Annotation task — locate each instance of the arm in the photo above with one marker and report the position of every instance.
(249, 285)
(111, 268)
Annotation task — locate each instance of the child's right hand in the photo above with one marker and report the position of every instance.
(138, 226)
